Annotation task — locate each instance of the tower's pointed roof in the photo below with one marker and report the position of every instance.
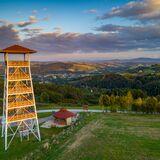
(17, 49)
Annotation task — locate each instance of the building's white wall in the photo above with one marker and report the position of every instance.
(69, 121)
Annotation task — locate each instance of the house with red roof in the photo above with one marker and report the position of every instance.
(63, 117)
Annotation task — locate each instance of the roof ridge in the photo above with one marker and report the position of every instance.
(17, 49)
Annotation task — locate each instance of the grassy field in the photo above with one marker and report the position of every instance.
(18, 149)
(95, 137)
(42, 115)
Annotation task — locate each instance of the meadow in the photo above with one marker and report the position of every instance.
(96, 136)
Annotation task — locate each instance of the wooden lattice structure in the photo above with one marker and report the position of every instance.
(19, 108)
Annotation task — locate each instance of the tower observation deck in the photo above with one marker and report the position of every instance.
(19, 107)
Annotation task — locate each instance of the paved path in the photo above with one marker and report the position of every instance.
(72, 110)
(42, 120)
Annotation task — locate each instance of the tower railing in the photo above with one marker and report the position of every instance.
(18, 63)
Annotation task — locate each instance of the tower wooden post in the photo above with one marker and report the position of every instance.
(19, 107)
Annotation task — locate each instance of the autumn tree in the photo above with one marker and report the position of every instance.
(151, 103)
(104, 101)
(137, 104)
(158, 107)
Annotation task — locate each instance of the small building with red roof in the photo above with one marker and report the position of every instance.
(63, 117)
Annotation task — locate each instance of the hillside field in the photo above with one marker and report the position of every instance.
(95, 137)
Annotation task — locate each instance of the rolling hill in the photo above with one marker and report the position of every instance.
(115, 65)
(44, 67)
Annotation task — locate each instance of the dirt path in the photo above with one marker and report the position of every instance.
(81, 136)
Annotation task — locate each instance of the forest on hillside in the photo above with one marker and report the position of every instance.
(148, 84)
(111, 91)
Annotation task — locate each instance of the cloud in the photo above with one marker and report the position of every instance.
(8, 36)
(2, 22)
(91, 11)
(109, 28)
(24, 24)
(58, 29)
(143, 11)
(113, 39)
(32, 20)
(145, 36)
(31, 32)
(133, 33)
(109, 38)
(5, 22)
(116, 39)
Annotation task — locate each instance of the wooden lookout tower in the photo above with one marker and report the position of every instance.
(19, 108)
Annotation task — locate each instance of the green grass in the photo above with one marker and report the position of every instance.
(42, 115)
(19, 149)
(95, 137)
(112, 137)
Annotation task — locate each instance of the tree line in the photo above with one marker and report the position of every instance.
(128, 103)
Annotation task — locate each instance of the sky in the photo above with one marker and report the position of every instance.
(74, 30)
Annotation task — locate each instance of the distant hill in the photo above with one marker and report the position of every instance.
(115, 65)
(50, 67)
(144, 60)
(135, 60)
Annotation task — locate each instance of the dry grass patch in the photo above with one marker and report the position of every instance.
(85, 133)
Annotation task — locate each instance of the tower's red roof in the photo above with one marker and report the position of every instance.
(63, 114)
(17, 49)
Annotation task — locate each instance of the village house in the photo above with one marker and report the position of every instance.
(63, 117)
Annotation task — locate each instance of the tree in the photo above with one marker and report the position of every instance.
(44, 97)
(55, 97)
(158, 107)
(112, 100)
(113, 104)
(136, 93)
(125, 102)
(122, 103)
(158, 97)
(104, 101)
(137, 104)
(129, 99)
(151, 104)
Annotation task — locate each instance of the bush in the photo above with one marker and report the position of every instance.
(113, 108)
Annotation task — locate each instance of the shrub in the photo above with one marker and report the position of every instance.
(113, 108)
